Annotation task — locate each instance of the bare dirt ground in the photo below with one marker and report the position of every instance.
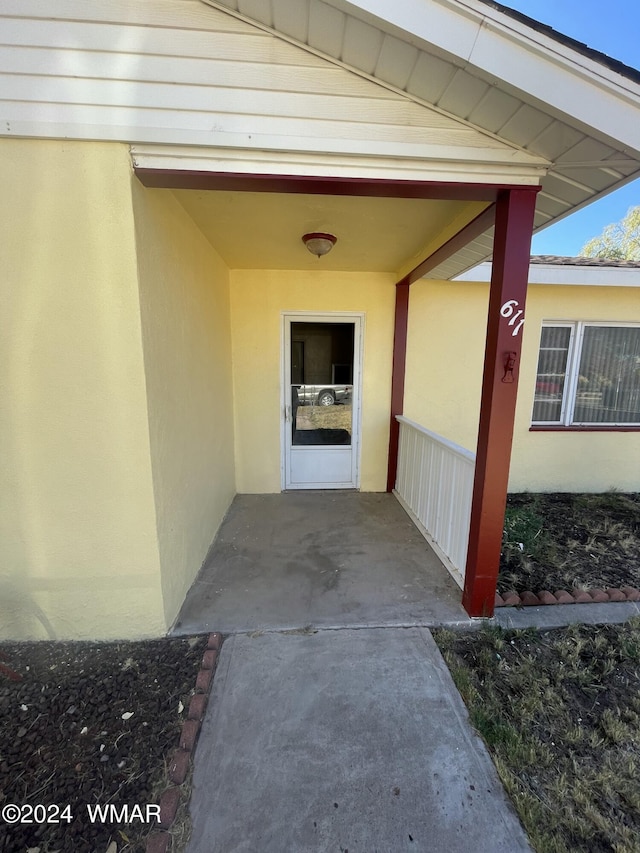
(86, 725)
(570, 541)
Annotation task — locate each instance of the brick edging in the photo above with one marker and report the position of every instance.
(561, 596)
(160, 840)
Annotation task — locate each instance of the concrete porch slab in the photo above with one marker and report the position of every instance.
(328, 559)
(343, 740)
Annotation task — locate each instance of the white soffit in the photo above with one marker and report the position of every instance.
(491, 70)
(587, 275)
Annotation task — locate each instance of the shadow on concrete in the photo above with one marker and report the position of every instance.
(329, 559)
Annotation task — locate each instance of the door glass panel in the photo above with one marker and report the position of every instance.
(321, 384)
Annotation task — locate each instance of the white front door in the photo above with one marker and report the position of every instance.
(321, 400)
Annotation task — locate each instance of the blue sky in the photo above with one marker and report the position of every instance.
(614, 29)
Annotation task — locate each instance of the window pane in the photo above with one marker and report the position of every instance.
(552, 367)
(609, 376)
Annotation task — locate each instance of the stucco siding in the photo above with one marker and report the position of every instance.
(258, 300)
(78, 549)
(184, 298)
(445, 352)
(447, 327)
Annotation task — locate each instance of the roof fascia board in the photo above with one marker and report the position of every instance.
(483, 39)
(595, 97)
(565, 274)
(448, 27)
(276, 161)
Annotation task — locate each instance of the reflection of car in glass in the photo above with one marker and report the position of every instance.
(322, 395)
(550, 385)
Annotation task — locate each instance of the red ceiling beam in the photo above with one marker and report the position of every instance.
(482, 222)
(184, 179)
(511, 250)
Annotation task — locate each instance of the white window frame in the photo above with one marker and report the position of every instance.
(570, 390)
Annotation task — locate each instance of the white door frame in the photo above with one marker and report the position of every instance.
(358, 319)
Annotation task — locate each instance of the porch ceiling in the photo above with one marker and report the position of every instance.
(264, 230)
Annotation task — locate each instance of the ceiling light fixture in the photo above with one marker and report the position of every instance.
(319, 243)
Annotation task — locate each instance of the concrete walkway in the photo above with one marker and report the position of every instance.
(330, 727)
(343, 740)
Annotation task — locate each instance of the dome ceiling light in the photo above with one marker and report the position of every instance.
(319, 243)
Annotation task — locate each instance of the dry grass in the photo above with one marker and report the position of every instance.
(560, 714)
(324, 417)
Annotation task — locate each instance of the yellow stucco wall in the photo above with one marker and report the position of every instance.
(571, 461)
(447, 323)
(184, 298)
(78, 546)
(258, 299)
(445, 353)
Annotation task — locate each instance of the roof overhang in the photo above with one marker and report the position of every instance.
(358, 97)
(504, 50)
(492, 70)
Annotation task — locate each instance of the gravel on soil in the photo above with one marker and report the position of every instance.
(87, 725)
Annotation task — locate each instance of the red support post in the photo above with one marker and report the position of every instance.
(511, 252)
(397, 376)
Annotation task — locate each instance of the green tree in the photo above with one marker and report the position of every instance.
(620, 241)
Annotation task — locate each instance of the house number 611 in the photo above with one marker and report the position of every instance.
(509, 310)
